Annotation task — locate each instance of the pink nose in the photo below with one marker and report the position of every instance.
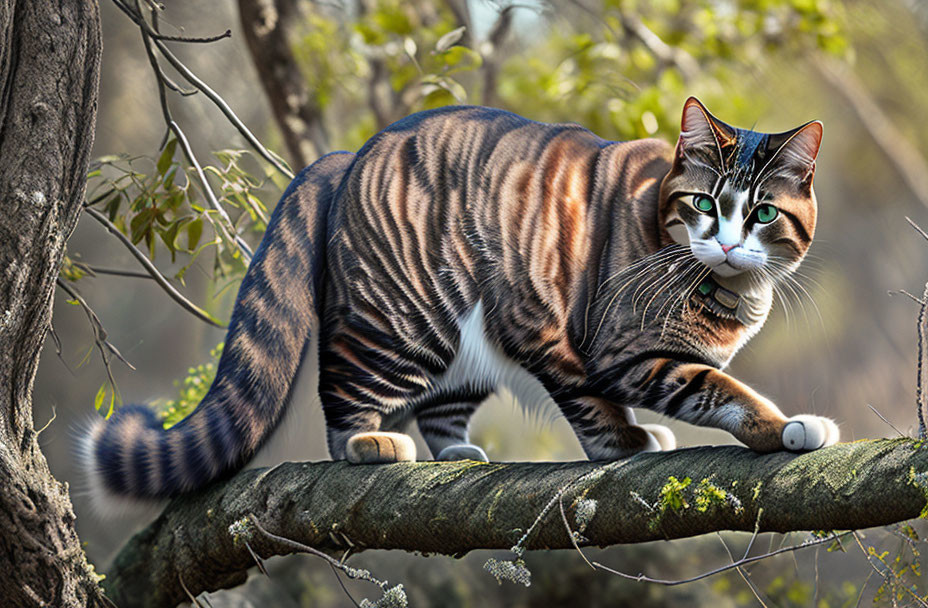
(727, 248)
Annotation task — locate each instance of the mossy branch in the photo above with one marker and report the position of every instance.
(454, 508)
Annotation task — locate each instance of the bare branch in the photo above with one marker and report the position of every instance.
(491, 59)
(99, 333)
(904, 157)
(883, 418)
(266, 26)
(117, 272)
(669, 55)
(195, 39)
(921, 383)
(153, 271)
(225, 109)
(738, 564)
(456, 507)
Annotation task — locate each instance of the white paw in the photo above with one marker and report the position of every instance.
(663, 436)
(463, 451)
(808, 432)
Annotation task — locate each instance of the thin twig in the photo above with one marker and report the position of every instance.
(225, 224)
(341, 583)
(354, 573)
(921, 380)
(725, 568)
(883, 418)
(48, 424)
(912, 297)
(258, 560)
(570, 533)
(93, 271)
(917, 228)
(889, 572)
(742, 573)
(99, 333)
(193, 39)
(225, 109)
(153, 271)
(187, 591)
(860, 596)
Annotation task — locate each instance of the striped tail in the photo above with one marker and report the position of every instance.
(131, 455)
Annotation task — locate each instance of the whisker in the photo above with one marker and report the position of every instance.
(657, 260)
(681, 276)
(684, 296)
(659, 255)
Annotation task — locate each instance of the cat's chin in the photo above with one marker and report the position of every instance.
(726, 270)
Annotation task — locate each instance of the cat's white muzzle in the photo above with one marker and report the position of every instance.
(736, 260)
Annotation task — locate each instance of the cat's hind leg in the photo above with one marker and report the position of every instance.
(444, 428)
(609, 431)
(357, 438)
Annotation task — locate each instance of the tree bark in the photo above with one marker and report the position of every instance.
(49, 73)
(453, 508)
(267, 25)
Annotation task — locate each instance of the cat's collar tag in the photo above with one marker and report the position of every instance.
(723, 302)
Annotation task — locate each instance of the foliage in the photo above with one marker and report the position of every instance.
(622, 71)
(162, 201)
(191, 390)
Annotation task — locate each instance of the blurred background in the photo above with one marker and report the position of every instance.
(311, 77)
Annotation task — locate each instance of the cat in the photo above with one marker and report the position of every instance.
(466, 249)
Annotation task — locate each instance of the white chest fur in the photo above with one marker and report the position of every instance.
(482, 365)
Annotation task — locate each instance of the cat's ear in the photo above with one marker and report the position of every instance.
(700, 130)
(795, 151)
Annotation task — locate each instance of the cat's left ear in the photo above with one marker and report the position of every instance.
(795, 151)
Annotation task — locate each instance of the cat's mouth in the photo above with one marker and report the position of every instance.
(730, 261)
(726, 269)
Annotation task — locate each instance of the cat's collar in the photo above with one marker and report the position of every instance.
(725, 303)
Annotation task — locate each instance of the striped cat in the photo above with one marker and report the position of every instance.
(467, 249)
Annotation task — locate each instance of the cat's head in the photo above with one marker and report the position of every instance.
(740, 199)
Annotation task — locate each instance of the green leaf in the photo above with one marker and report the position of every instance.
(450, 39)
(98, 399)
(194, 232)
(167, 156)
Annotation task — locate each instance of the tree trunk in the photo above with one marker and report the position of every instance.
(454, 508)
(267, 25)
(49, 73)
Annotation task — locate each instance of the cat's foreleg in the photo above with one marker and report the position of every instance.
(706, 396)
(444, 428)
(608, 431)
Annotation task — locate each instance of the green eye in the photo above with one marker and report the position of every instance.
(766, 214)
(703, 203)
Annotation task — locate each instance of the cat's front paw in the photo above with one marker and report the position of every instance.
(463, 451)
(807, 432)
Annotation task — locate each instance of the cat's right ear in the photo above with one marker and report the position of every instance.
(701, 131)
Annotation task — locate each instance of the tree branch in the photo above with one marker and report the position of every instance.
(454, 508)
(50, 68)
(267, 26)
(153, 270)
(901, 153)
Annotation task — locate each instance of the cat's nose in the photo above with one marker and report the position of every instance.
(727, 248)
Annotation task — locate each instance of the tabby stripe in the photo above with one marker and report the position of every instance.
(797, 224)
(692, 387)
